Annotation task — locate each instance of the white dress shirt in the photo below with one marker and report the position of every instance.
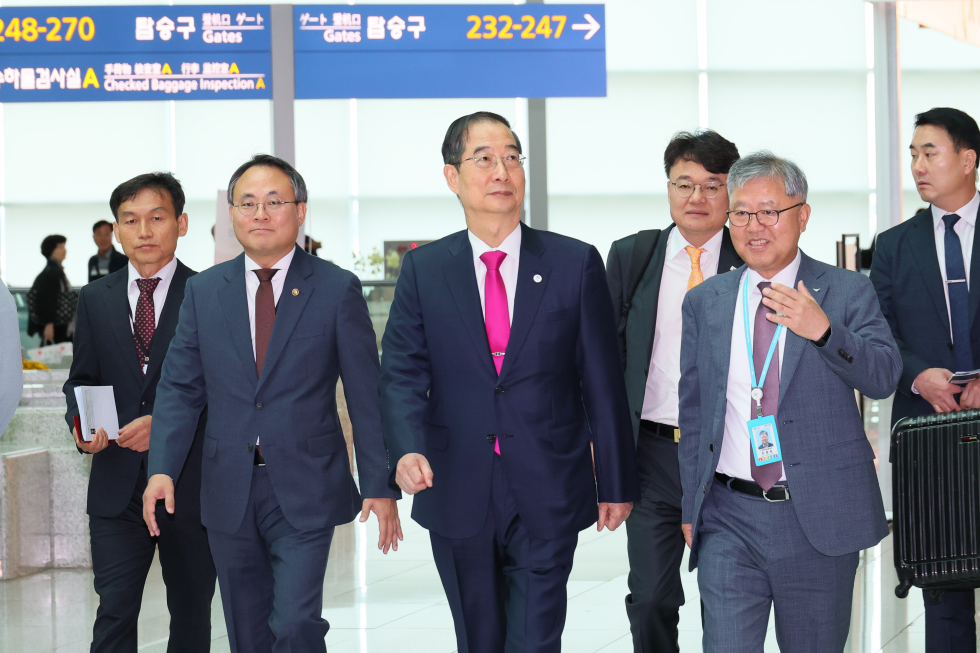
(166, 275)
(660, 397)
(508, 267)
(252, 286)
(735, 449)
(965, 227)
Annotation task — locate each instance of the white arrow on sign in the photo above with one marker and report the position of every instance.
(592, 26)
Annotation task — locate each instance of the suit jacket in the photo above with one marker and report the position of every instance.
(105, 354)
(441, 395)
(828, 461)
(117, 261)
(905, 273)
(11, 364)
(48, 286)
(641, 324)
(322, 331)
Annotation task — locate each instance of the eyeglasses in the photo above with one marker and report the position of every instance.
(272, 207)
(488, 161)
(767, 218)
(686, 188)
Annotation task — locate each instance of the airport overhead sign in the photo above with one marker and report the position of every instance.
(183, 52)
(449, 51)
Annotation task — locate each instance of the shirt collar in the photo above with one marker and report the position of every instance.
(511, 245)
(281, 264)
(968, 213)
(677, 242)
(787, 276)
(165, 274)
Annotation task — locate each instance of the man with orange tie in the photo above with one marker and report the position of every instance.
(499, 367)
(649, 274)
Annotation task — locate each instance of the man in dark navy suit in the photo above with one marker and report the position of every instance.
(500, 368)
(929, 292)
(125, 323)
(262, 340)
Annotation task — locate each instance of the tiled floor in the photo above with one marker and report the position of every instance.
(378, 604)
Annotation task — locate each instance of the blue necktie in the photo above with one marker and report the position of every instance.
(959, 296)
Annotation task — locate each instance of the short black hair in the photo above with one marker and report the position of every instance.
(269, 161)
(705, 147)
(50, 243)
(960, 126)
(454, 144)
(158, 181)
(101, 223)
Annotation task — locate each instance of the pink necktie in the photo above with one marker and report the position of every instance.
(497, 314)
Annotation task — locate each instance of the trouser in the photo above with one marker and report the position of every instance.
(655, 546)
(271, 578)
(506, 588)
(122, 552)
(753, 555)
(950, 621)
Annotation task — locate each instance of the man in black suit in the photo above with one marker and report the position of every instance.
(109, 259)
(125, 324)
(649, 273)
(929, 293)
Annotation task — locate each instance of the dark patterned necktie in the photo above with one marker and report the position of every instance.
(959, 296)
(265, 315)
(144, 322)
(766, 475)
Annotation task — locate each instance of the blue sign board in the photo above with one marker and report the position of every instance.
(449, 51)
(184, 52)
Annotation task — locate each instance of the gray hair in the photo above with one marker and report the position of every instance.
(269, 161)
(766, 164)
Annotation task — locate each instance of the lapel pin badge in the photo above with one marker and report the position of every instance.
(733, 269)
(295, 292)
(816, 290)
(537, 278)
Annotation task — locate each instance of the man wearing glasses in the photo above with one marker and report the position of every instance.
(262, 340)
(649, 274)
(779, 346)
(499, 369)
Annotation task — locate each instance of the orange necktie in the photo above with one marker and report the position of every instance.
(696, 275)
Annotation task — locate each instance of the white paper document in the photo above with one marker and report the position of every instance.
(97, 410)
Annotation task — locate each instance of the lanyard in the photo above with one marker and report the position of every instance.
(757, 386)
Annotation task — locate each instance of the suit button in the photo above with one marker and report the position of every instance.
(491, 437)
(704, 489)
(249, 446)
(636, 412)
(258, 404)
(499, 390)
(647, 371)
(711, 447)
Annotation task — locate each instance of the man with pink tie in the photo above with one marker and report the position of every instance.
(500, 367)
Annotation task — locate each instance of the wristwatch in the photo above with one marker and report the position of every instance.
(823, 339)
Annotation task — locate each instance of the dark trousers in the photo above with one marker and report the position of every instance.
(271, 578)
(950, 621)
(122, 552)
(506, 588)
(655, 546)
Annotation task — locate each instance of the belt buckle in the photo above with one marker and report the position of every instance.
(677, 436)
(766, 496)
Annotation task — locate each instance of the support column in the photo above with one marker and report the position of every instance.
(537, 145)
(890, 154)
(283, 84)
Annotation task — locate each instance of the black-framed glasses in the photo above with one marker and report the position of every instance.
(488, 161)
(767, 218)
(709, 189)
(272, 207)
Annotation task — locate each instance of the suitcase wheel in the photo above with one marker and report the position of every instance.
(902, 591)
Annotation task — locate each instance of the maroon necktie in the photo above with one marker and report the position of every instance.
(144, 322)
(766, 475)
(265, 315)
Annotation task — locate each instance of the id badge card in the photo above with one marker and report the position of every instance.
(765, 440)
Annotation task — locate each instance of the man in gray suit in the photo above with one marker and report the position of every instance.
(783, 342)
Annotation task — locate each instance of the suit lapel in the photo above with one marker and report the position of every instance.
(288, 310)
(922, 243)
(234, 304)
(719, 324)
(648, 294)
(117, 312)
(728, 258)
(461, 277)
(975, 273)
(528, 294)
(810, 275)
(167, 324)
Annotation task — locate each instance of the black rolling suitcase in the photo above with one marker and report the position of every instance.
(936, 498)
